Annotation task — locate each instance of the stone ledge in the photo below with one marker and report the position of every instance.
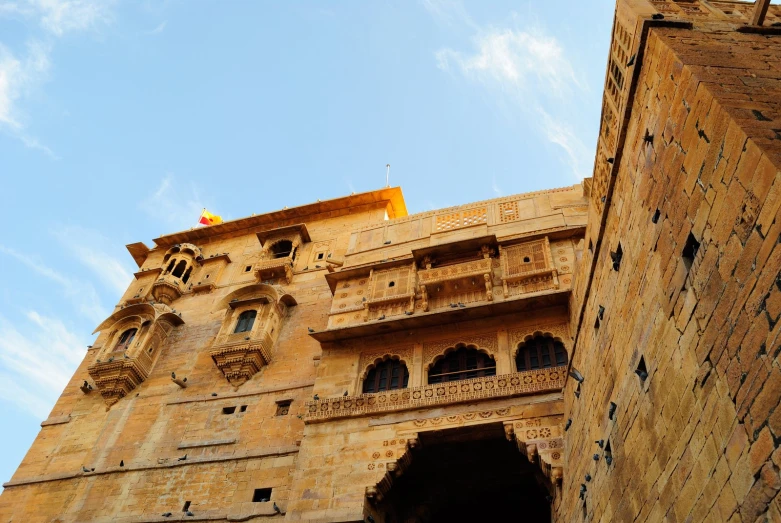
(56, 420)
(209, 443)
(276, 451)
(269, 390)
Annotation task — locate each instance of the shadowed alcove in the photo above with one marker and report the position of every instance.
(467, 474)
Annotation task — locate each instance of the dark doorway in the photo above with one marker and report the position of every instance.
(467, 475)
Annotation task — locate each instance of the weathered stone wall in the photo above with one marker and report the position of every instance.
(697, 439)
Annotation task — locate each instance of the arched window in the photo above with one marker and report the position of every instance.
(180, 269)
(246, 321)
(540, 353)
(388, 375)
(462, 364)
(187, 274)
(281, 249)
(126, 339)
(170, 266)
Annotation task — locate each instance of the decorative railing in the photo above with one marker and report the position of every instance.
(274, 268)
(452, 272)
(505, 385)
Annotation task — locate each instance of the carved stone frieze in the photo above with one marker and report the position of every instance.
(505, 385)
(458, 419)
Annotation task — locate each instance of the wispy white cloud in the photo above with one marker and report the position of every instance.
(23, 73)
(81, 294)
(18, 77)
(176, 205)
(34, 369)
(64, 16)
(159, 29)
(527, 67)
(91, 249)
(495, 187)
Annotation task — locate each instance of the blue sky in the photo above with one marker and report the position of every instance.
(119, 121)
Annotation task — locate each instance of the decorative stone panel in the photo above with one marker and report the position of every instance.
(505, 385)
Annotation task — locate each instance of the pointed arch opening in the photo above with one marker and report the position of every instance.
(462, 363)
(389, 373)
(540, 352)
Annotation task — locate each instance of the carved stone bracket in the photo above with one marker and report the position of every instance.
(394, 469)
(116, 378)
(541, 440)
(240, 362)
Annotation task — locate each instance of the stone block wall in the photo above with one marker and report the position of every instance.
(695, 210)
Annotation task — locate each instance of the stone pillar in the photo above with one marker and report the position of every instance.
(503, 360)
(416, 372)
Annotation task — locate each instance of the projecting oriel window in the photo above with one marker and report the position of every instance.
(541, 352)
(462, 364)
(388, 375)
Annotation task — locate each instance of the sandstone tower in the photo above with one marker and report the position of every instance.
(602, 352)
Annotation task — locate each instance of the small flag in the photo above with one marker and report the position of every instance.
(208, 218)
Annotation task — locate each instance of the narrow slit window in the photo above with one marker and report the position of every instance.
(690, 251)
(186, 506)
(228, 410)
(243, 408)
(641, 370)
(248, 268)
(320, 255)
(656, 216)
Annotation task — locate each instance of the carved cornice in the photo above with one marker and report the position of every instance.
(431, 350)
(505, 385)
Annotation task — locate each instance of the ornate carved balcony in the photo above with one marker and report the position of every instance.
(167, 288)
(466, 282)
(274, 268)
(527, 268)
(118, 375)
(505, 385)
(239, 357)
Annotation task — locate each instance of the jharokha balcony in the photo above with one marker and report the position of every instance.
(504, 385)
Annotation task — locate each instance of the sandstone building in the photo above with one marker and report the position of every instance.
(602, 352)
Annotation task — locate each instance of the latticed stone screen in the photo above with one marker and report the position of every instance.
(390, 283)
(527, 258)
(508, 212)
(465, 218)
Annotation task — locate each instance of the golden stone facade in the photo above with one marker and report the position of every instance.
(602, 352)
